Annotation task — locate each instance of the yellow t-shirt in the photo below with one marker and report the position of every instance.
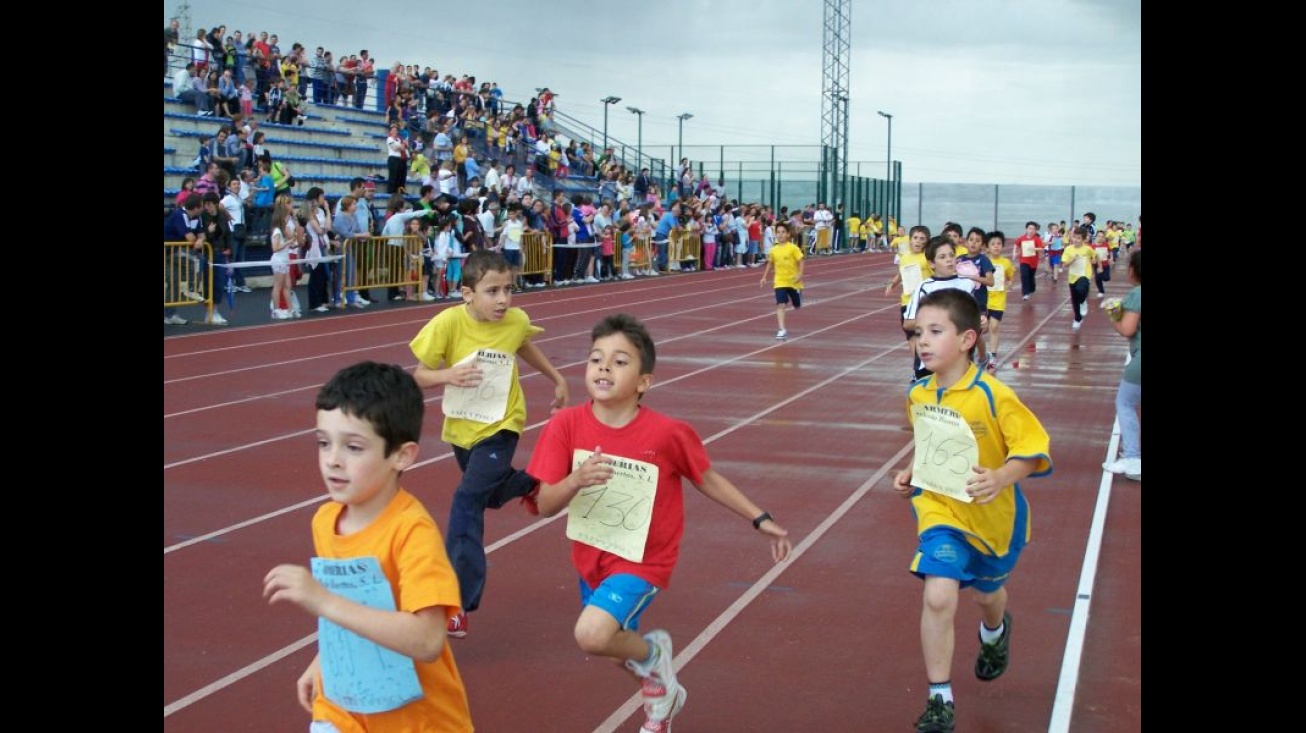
(452, 335)
(1004, 428)
(785, 258)
(420, 167)
(998, 292)
(1113, 239)
(854, 227)
(406, 542)
(1078, 261)
(914, 258)
(460, 152)
(901, 245)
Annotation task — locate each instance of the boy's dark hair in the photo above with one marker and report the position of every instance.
(996, 233)
(961, 308)
(1029, 224)
(211, 198)
(479, 263)
(1092, 218)
(1082, 231)
(634, 331)
(932, 246)
(919, 228)
(952, 226)
(383, 395)
(1136, 264)
(975, 230)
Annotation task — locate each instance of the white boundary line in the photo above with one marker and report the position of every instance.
(1063, 706)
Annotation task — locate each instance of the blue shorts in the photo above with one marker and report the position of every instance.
(1054, 257)
(995, 315)
(513, 256)
(944, 552)
(623, 596)
(752, 247)
(789, 295)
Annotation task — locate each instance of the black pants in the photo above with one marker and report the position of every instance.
(1078, 297)
(398, 173)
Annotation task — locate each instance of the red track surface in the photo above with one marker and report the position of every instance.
(811, 429)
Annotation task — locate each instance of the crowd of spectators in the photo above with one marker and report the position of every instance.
(463, 161)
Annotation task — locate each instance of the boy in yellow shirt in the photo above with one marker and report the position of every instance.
(787, 258)
(854, 232)
(972, 519)
(1004, 273)
(1079, 260)
(472, 351)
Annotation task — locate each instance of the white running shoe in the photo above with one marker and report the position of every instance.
(781, 334)
(1130, 467)
(216, 319)
(663, 696)
(1074, 326)
(174, 320)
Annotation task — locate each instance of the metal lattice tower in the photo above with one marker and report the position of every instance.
(187, 31)
(836, 40)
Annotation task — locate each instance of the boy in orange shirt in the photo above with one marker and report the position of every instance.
(381, 585)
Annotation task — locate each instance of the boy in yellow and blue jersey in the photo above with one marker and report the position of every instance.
(972, 518)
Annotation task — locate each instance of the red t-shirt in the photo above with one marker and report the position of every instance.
(1031, 260)
(651, 437)
(264, 49)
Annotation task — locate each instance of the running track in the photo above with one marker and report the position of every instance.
(812, 429)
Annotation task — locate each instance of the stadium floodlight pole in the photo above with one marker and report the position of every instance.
(607, 101)
(639, 149)
(888, 169)
(680, 135)
(888, 153)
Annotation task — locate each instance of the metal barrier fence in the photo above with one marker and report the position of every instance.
(686, 251)
(382, 262)
(187, 275)
(537, 255)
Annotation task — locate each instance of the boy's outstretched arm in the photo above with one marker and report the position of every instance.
(536, 358)
(719, 489)
(594, 471)
(419, 635)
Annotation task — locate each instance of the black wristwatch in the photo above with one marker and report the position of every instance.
(757, 521)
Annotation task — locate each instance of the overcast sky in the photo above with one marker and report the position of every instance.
(981, 91)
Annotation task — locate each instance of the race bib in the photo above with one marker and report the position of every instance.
(614, 517)
(487, 402)
(360, 675)
(999, 280)
(911, 278)
(945, 453)
(1027, 248)
(1079, 268)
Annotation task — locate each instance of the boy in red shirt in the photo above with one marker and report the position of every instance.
(627, 513)
(1029, 246)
